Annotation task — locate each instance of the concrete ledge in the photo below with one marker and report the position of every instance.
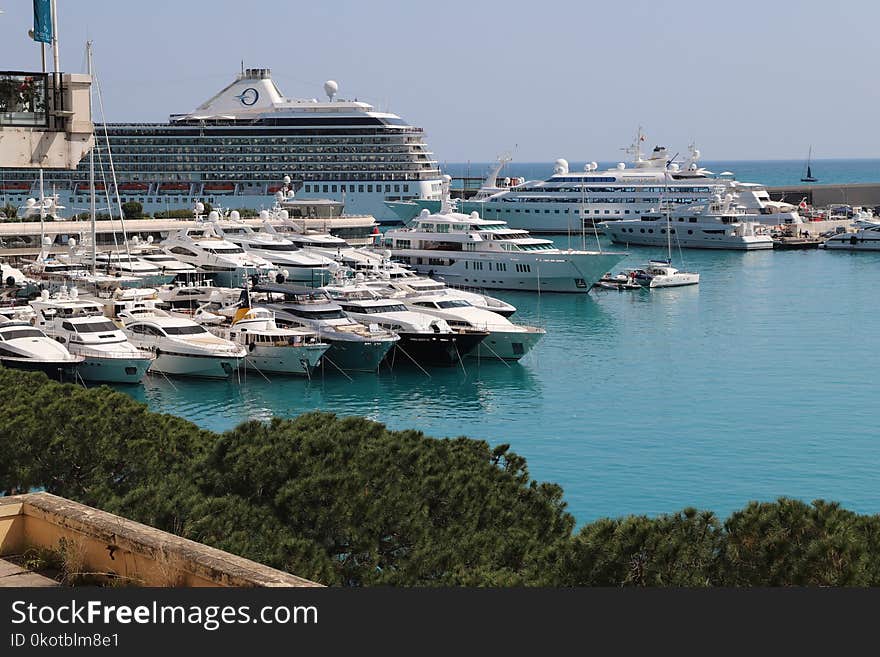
(140, 554)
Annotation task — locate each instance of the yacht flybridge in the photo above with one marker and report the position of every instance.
(568, 201)
(462, 249)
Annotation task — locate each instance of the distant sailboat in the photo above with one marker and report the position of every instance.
(808, 176)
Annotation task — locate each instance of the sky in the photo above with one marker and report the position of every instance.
(542, 80)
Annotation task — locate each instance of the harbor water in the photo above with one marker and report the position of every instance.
(758, 383)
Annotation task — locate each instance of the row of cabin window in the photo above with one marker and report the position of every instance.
(333, 188)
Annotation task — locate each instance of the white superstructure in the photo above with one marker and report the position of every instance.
(230, 149)
(720, 224)
(569, 201)
(462, 249)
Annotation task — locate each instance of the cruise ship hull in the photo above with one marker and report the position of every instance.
(285, 360)
(561, 272)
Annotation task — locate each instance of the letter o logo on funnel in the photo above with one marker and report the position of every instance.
(249, 96)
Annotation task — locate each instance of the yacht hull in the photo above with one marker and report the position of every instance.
(100, 369)
(562, 272)
(435, 349)
(356, 356)
(203, 367)
(750, 243)
(285, 360)
(506, 345)
(54, 369)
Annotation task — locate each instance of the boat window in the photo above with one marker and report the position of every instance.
(453, 303)
(234, 249)
(179, 250)
(374, 310)
(13, 334)
(317, 314)
(192, 329)
(94, 327)
(276, 247)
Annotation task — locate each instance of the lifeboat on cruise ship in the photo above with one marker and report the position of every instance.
(83, 187)
(174, 188)
(219, 188)
(16, 186)
(133, 187)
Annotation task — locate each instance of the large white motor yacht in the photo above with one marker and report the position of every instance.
(270, 348)
(424, 338)
(26, 347)
(202, 247)
(80, 324)
(299, 266)
(568, 201)
(181, 346)
(462, 249)
(353, 345)
(866, 237)
(506, 340)
(721, 224)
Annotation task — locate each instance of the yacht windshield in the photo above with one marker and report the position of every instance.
(225, 249)
(276, 247)
(95, 327)
(184, 330)
(453, 303)
(318, 314)
(12, 334)
(373, 310)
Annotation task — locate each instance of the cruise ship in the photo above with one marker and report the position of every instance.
(232, 149)
(569, 201)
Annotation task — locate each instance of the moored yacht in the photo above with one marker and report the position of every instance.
(353, 346)
(287, 256)
(866, 237)
(270, 348)
(661, 273)
(413, 285)
(80, 324)
(506, 340)
(568, 200)
(462, 249)
(424, 338)
(228, 263)
(181, 346)
(26, 347)
(720, 224)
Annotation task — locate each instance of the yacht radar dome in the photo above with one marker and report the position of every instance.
(235, 215)
(425, 212)
(286, 180)
(621, 165)
(330, 88)
(560, 166)
(200, 207)
(213, 215)
(264, 215)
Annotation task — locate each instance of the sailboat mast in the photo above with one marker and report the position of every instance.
(92, 216)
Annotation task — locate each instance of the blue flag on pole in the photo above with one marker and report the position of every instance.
(42, 21)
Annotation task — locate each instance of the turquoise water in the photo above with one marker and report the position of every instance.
(767, 172)
(757, 383)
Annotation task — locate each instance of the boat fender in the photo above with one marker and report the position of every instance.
(252, 346)
(158, 352)
(279, 278)
(10, 281)
(853, 240)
